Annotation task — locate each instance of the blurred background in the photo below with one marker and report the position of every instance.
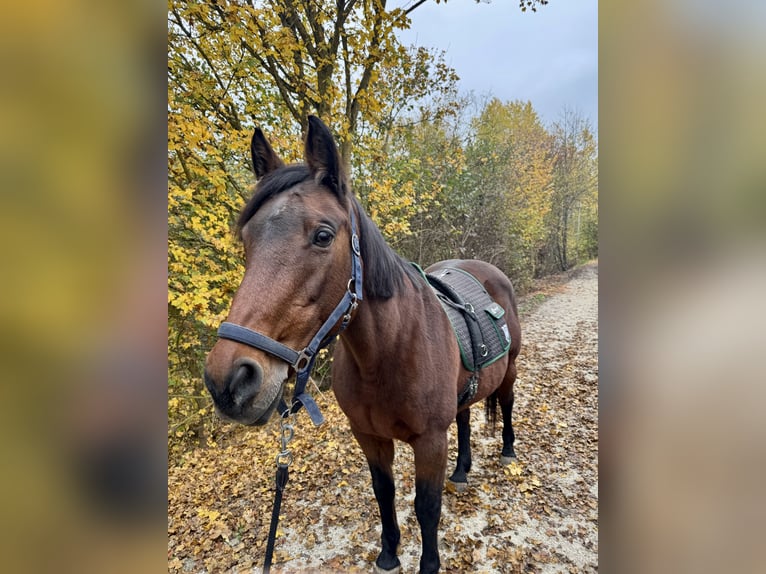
(83, 305)
(84, 286)
(683, 273)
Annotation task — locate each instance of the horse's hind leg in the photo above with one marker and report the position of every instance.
(380, 457)
(459, 478)
(505, 398)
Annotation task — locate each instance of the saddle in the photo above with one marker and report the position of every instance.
(477, 320)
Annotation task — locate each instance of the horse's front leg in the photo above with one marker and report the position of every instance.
(380, 457)
(430, 466)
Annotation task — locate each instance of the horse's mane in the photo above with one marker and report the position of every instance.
(385, 271)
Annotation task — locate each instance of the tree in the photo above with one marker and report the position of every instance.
(425, 157)
(575, 154)
(497, 208)
(520, 145)
(311, 57)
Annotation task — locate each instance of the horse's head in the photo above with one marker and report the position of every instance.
(297, 235)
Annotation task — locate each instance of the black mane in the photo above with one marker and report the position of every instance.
(384, 270)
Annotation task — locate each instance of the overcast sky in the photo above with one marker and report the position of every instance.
(549, 57)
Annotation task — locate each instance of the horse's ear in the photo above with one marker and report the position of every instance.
(265, 159)
(322, 156)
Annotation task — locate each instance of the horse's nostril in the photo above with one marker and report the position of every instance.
(241, 376)
(245, 380)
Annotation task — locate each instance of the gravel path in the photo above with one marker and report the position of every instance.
(540, 515)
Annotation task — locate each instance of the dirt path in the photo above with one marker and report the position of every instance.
(538, 516)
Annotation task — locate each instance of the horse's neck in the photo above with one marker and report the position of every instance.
(383, 329)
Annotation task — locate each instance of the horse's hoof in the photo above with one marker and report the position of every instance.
(378, 570)
(506, 460)
(457, 486)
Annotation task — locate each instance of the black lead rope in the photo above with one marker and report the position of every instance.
(284, 458)
(281, 482)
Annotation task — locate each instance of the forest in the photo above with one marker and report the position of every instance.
(443, 172)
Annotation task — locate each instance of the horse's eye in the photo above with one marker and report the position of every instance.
(323, 237)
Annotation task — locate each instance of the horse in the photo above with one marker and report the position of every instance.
(397, 370)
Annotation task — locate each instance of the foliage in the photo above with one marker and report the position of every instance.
(531, 4)
(514, 172)
(491, 182)
(284, 60)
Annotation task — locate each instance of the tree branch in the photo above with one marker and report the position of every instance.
(373, 57)
(295, 24)
(415, 5)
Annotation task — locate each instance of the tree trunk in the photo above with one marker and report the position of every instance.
(563, 250)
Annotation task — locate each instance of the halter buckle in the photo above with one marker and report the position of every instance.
(355, 244)
(346, 319)
(303, 361)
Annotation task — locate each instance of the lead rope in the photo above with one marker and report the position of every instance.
(284, 458)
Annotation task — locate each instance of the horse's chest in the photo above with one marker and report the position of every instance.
(384, 411)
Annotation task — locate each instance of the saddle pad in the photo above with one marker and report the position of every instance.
(469, 306)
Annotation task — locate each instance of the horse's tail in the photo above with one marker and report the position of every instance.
(490, 411)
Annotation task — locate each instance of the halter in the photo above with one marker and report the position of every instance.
(303, 361)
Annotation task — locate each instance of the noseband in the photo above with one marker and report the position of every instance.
(303, 361)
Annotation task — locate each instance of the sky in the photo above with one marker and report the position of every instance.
(549, 57)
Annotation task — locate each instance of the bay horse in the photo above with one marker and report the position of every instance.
(397, 370)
